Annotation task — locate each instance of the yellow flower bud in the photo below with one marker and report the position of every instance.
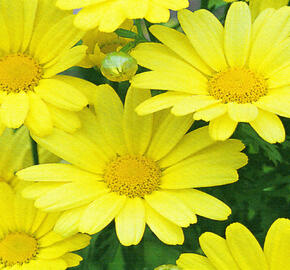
(119, 67)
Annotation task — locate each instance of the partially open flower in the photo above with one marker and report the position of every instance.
(100, 44)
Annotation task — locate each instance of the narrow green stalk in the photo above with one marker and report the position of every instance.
(139, 27)
(34, 149)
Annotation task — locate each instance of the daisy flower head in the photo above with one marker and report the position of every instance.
(108, 15)
(225, 75)
(240, 250)
(16, 154)
(36, 44)
(133, 169)
(100, 44)
(27, 239)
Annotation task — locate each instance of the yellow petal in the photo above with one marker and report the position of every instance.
(87, 88)
(205, 205)
(45, 224)
(258, 23)
(57, 173)
(189, 261)
(163, 141)
(280, 78)
(49, 239)
(130, 222)
(5, 40)
(14, 109)
(269, 127)
(222, 128)
(160, 102)
(242, 112)
(211, 112)
(35, 190)
(180, 44)
(88, 18)
(75, 4)
(192, 103)
(61, 94)
(112, 18)
(276, 60)
(258, 6)
(211, 166)
(217, 251)
(72, 243)
(237, 34)
(157, 13)
(277, 244)
(109, 111)
(156, 56)
(59, 38)
(273, 31)
(191, 143)
(72, 259)
(205, 33)
(165, 230)
(67, 60)
(101, 212)
(92, 129)
(245, 248)
(165, 80)
(16, 146)
(67, 146)
(275, 103)
(69, 196)
(68, 121)
(14, 18)
(170, 206)
(68, 222)
(137, 129)
(38, 119)
(29, 8)
(136, 9)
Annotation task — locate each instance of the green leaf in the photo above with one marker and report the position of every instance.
(126, 33)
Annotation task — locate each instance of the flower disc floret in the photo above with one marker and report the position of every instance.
(17, 248)
(133, 176)
(239, 85)
(19, 72)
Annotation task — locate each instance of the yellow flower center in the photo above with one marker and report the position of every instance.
(133, 176)
(239, 85)
(17, 248)
(19, 72)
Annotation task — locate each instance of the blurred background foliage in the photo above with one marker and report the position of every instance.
(259, 197)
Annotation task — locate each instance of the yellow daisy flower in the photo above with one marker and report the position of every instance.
(27, 239)
(225, 75)
(100, 44)
(36, 44)
(241, 251)
(136, 170)
(16, 154)
(108, 15)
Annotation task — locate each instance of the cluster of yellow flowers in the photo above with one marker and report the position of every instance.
(135, 163)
